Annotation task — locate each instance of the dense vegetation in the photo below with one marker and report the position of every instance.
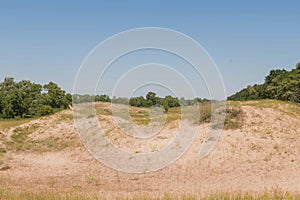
(279, 84)
(26, 99)
(153, 100)
(166, 102)
(150, 100)
(77, 98)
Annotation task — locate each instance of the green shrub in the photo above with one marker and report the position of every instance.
(234, 118)
(45, 110)
(2, 150)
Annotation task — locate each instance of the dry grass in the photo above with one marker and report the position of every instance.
(20, 141)
(48, 136)
(234, 117)
(20, 135)
(10, 123)
(8, 193)
(286, 107)
(140, 116)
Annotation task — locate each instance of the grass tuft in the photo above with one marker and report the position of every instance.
(8, 193)
(11, 123)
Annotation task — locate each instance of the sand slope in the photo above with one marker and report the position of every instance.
(264, 154)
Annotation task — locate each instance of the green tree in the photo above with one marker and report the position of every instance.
(298, 67)
(102, 98)
(55, 96)
(170, 101)
(138, 102)
(151, 98)
(279, 84)
(7, 90)
(297, 95)
(25, 99)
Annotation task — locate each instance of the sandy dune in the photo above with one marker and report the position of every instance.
(262, 155)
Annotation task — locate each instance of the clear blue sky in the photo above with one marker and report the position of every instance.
(43, 41)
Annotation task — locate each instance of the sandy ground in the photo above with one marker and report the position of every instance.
(262, 155)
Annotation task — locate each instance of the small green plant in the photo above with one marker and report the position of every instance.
(65, 117)
(92, 179)
(21, 133)
(45, 110)
(4, 168)
(103, 111)
(234, 118)
(2, 150)
(205, 112)
(268, 157)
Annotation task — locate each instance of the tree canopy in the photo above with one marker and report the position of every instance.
(27, 99)
(279, 84)
(153, 100)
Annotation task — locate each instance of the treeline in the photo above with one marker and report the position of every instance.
(166, 102)
(150, 100)
(279, 84)
(25, 99)
(77, 98)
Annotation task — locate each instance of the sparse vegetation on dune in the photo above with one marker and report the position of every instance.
(286, 107)
(250, 135)
(10, 123)
(149, 100)
(11, 194)
(200, 114)
(34, 135)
